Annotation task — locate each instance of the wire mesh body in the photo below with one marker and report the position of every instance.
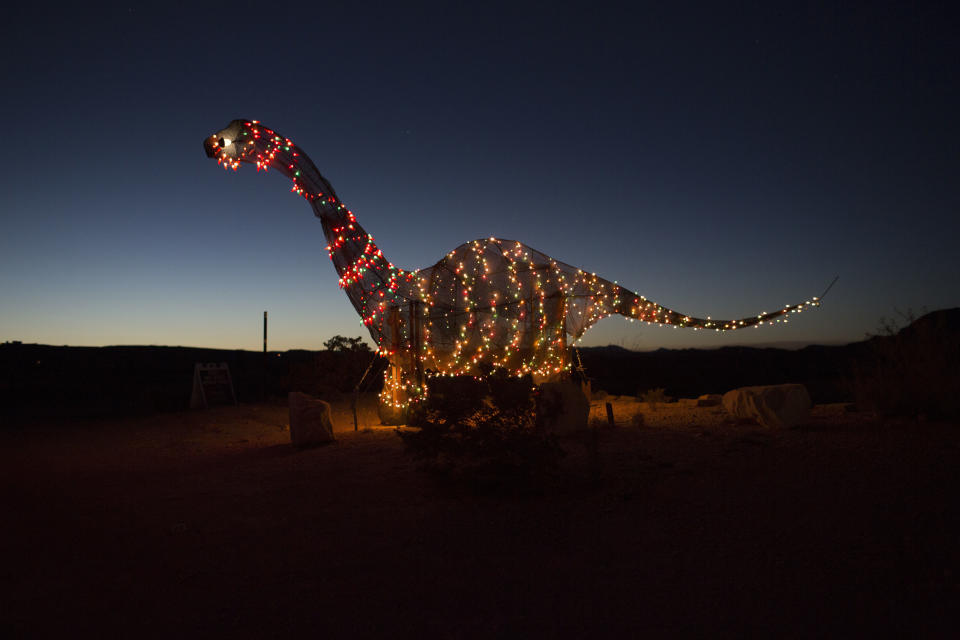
(490, 303)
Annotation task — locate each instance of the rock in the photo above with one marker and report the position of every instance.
(775, 406)
(562, 407)
(709, 400)
(310, 422)
(688, 402)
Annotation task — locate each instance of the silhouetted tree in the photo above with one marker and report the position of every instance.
(340, 343)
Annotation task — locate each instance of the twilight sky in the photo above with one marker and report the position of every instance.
(719, 158)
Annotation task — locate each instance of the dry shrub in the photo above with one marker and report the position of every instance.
(911, 371)
(330, 374)
(483, 433)
(654, 397)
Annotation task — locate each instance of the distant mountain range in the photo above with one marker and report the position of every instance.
(826, 370)
(124, 379)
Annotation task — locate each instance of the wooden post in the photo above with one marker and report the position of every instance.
(564, 355)
(395, 355)
(416, 366)
(356, 401)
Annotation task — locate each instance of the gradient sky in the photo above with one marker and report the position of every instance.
(721, 159)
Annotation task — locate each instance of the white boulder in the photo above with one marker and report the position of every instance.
(563, 407)
(310, 422)
(776, 406)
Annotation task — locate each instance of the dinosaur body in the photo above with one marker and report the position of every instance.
(490, 302)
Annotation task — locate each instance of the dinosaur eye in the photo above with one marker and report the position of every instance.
(224, 142)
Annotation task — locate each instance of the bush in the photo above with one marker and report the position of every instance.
(483, 433)
(911, 371)
(330, 374)
(654, 397)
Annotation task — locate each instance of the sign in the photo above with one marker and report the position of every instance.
(212, 385)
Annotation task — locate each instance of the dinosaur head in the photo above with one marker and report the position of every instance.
(254, 143)
(230, 145)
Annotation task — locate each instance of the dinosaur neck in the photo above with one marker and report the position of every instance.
(355, 255)
(372, 282)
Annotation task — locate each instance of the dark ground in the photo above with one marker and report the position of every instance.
(208, 523)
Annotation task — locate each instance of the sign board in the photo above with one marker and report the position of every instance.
(212, 385)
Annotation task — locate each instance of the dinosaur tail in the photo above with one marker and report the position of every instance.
(606, 298)
(639, 308)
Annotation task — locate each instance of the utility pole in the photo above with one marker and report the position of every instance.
(263, 379)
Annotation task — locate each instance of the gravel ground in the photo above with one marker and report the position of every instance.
(209, 523)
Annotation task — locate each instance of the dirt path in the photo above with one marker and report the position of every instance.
(210, 523)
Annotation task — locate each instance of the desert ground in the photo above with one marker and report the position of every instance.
(210, 523)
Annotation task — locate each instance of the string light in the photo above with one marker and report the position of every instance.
(489, 303)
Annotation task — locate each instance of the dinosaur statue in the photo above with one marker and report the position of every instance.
(488, 303)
